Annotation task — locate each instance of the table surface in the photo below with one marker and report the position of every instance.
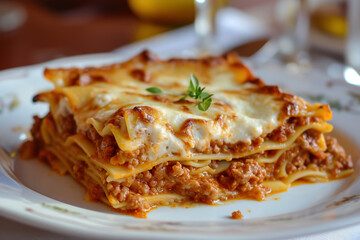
(50, 32)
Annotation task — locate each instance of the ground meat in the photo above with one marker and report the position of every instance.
(95, 191)
(28, 149)
(247, 177)
(237, 215)
(336, 154)
(273, 169)
(31, 148)
(281, 133)
(118, 191)
(106, 146)
(334, 148)
(79, 170)
(108, 150)
(201, 188)
(244, 177)
(67, 126)
(35, 129)
(333, 160)
(136, 201)
(309, 141)
(140, 187)
(298, 160)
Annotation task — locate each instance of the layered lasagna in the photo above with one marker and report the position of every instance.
(136, 149)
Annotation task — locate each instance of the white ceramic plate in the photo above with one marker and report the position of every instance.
(38, 197)
(31, 193)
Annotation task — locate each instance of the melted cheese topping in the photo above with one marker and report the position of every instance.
(242, 119)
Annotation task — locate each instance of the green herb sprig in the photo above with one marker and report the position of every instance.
(194, 91)
(197, 92)
(154, 90)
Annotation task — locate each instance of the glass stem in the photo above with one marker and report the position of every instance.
(302, 31)
(294, 23)
(352, 51)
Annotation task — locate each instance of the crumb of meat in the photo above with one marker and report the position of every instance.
(237, 215)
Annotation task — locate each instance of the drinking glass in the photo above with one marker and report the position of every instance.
(352, 51)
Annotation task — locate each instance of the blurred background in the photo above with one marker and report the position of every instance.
(33, 31)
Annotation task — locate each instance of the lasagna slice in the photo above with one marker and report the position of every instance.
(135, 150)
